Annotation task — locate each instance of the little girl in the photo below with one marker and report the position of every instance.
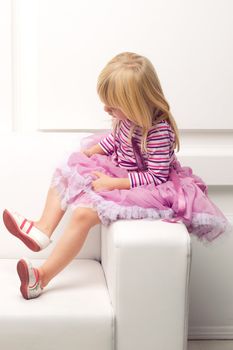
(130, 173)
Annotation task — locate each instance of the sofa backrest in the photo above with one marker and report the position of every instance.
(28, 160)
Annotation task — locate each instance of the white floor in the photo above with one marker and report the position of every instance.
(210, 345)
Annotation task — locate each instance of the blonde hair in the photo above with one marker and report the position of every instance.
(129, 82)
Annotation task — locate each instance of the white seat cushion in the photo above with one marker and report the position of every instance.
(75, 304)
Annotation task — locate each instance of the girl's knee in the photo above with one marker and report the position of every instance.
(86, 215)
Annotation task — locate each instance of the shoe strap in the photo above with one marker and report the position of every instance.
(30, 226)
(40, 237)
(37, 277)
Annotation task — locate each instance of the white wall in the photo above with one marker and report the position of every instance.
(51, 54)
(5, 66)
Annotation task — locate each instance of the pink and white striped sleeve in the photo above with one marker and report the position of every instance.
(107, 143)
(158, 151)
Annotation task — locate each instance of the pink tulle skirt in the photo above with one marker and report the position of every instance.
(188, 203)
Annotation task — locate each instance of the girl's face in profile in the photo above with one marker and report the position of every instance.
(115, 112)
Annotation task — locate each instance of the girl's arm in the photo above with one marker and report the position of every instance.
(96, 149)
(104, 146)
(159, 142)
(93, 150)
(107, 144)
(121, 183)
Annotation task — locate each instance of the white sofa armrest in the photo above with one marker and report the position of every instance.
(147, 268)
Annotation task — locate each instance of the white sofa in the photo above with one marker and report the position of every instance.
(126, 290)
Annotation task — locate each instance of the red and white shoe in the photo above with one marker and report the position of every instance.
(30, 279)
(25, 230)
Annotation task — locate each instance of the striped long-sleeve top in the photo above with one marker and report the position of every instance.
(158, 158)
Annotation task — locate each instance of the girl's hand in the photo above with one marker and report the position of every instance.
(87, 152)
(103, 182)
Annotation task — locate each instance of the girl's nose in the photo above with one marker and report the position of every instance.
(108, 109)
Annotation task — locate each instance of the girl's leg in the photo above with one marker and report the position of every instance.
(52, 213)
(70, 243)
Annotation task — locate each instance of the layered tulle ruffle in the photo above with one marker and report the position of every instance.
(189, 203)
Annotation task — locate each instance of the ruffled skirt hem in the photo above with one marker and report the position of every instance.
(206, 227)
